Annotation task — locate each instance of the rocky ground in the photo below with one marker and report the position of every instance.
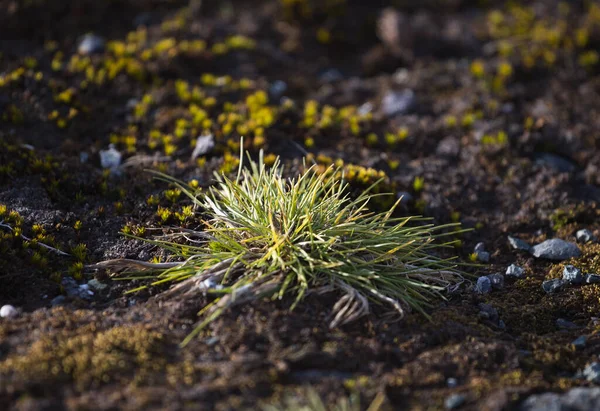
(478, 112)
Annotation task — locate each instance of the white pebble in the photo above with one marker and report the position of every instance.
(8, 311)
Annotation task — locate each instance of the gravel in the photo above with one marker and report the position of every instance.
(555, 249)
(576, 399)
(397, 102)
(553, 286)
(592, 279)
(518, 244)
(484, 285)
(8, 311)
(579, 342)
(585, 236)
(90, 44)
(572, 275)
(592, 373)
(454, 401)
(514, 270)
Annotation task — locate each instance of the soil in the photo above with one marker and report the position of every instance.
(500, 133)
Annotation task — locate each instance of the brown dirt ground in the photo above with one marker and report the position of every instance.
(492, 101)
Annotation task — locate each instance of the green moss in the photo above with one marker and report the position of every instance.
(87, 357)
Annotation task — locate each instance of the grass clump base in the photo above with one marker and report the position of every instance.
(266, 235)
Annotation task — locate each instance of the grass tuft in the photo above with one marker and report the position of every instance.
(270, 236)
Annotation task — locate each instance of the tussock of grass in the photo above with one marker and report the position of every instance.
(270, 236)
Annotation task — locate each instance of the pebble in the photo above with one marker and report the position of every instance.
(479, 247)
(488, 312)
(60, 300)
(482, 256)
(579, 342)
(592, 278)
(572, 275)
(497, 280)
(203, 145)
(454, 401)
(576, 399)
(566, 324)
(110, 158)
(592, 372)
(96, 285)
(397, 102)
(555, 249)
(452, 382)
(558, 163)
(514, 270)
(484, 285)
(277, 89)
(8, 311)
(518, 244)
(76, 290)
(406, 197)
(90, 44)
(585, 236)
(553, 286)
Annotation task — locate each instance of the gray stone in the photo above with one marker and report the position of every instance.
(8, 311)
(203, 145)
(479, 247)
(74, 290)
(277, 89)
(488, 312)
(397, 102)
(558, 163)
(406, 197)
(497, 281)
(592, 372)
(585, 236)
(96, 285)
(553, 286)
(555, 249)
(592, 279)
(572, 275)
(452, 382)
(579, 342)
(482, 256)
(518, 244)
(110, 158)
(514, 270)
(566, 324)
(454, 401)
(90, 44)
(56, 301)
(576, 399)
(484, 285)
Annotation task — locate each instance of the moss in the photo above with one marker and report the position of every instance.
(87, 357)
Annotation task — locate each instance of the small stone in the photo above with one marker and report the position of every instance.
(90, 44)
(579, 342)
(406, 197)
(482, 256)
(96, 285)
(397, 102)
(479, 247)
(556, 162)
(488, 312)
(8, 311)
(572, 275)
(555, 249)
(566, 324)
(454, 401)
(592, 372)
(497, 281)
(501, 325)
(553, 286)
(277, 89)
(331, 75)
(484, 285)
(203, 145)
(110, 158)
(576, 399)
(592, 279)
(514, 270)
(56, 301)
(585, 236)
(518, 244)
(452, 382)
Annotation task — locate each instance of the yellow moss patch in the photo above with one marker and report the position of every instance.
(88, 357)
